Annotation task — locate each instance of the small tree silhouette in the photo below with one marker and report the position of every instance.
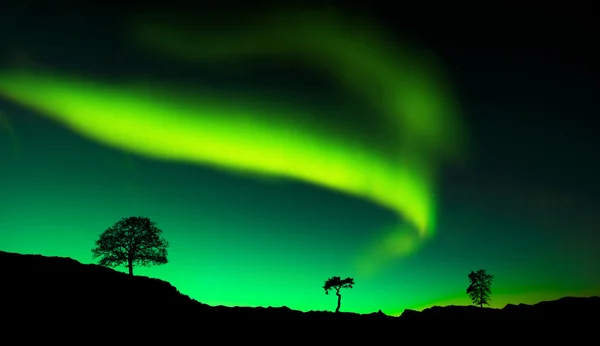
(479, 289)
(131, 241)
(336, 283)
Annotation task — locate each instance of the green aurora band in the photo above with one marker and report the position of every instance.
(270, 141)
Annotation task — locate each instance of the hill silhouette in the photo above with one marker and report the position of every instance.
(46, 291)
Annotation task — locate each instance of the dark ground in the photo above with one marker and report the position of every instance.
(75, 301)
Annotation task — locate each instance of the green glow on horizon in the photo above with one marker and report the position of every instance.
(514, 296)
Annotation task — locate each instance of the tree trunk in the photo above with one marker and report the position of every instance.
(130, 266)
(339, 301)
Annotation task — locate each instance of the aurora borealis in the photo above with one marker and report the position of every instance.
(273, 158)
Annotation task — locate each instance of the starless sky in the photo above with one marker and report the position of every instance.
(520, 201)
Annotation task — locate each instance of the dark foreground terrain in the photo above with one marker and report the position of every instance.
(72, 299)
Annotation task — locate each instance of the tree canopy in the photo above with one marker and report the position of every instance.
(131, 241)
(479, 289)
(336, 283)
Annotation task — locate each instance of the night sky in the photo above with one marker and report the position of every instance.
(307, 180)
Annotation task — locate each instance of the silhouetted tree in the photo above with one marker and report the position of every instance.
(131, 241)
(337, 284)
(479, 289)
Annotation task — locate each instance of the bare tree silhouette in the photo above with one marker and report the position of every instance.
(131, 241)
(337, 284)
(479, 289)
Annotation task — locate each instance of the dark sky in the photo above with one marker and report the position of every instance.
(522, 203)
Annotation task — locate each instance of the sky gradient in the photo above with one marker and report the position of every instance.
(478, 153)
